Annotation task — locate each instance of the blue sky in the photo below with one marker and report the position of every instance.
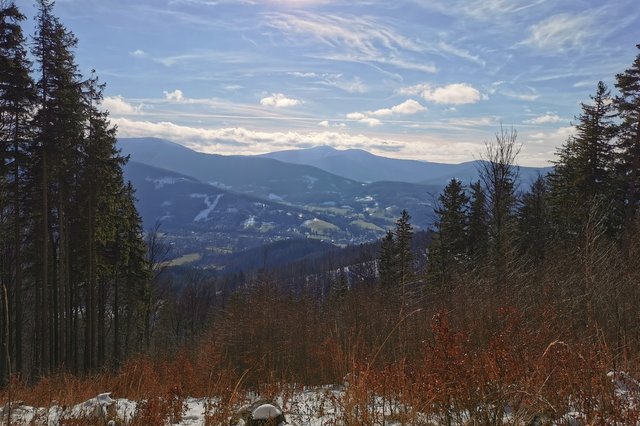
(421, 79)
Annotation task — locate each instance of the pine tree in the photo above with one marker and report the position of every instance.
(478, 224)
(404, 254)
(387, 265)
(17, 97)
(534, 227)
(58, 133)
(628, 108)
(449, 248)
(585, 170)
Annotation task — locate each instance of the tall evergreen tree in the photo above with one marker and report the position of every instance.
(387, 262)
(449, 247)
(534, 227)
(59, 136)
(17, 97)
(403, 237)
(585, 168)
(478, 224)
(628, 107)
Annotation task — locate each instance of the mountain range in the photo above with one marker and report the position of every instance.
(210, 204)
(363, 166)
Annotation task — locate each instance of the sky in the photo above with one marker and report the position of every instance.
(428, 80)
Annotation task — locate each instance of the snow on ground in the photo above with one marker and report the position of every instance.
(211, 205)
(161, 182)
(310, 407)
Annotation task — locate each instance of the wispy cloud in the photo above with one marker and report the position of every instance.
(544, 119)
(459, 52)
(481, 10)
(279, 100)
(350, 85)
(358, 34)
(529, 94)
(138, 53)
(355, 85)
(233, 58)
(351, 39)
(561, 32)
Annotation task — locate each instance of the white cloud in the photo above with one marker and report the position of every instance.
(415, 90)
(364, 118)
(407, 107)
(232, 87)
(118, 106)
(299, 74)
(138, 53)
(544, 119)
(560, 32)
(552, 138)
(356, 116)
(452, 94)
(239, 140)
(441, 143)
(371, 122)
(279, 100)
(327, 124)
(175, 96)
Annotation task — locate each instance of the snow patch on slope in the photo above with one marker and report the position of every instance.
(211, 205)
(161, 182)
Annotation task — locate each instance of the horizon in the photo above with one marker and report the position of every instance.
(429, 81)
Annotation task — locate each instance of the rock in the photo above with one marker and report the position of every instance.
(260, 413)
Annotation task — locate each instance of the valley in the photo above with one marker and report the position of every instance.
(210, 205)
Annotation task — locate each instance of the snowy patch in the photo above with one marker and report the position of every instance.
(275, 197)
(310, 181)
(161, 182)
(366, 199)
(249, 223)
(211, 205)
(219, 185)
(166, 204)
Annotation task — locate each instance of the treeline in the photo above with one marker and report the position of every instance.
(583, 215)
(74, 271)
(593, 190)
